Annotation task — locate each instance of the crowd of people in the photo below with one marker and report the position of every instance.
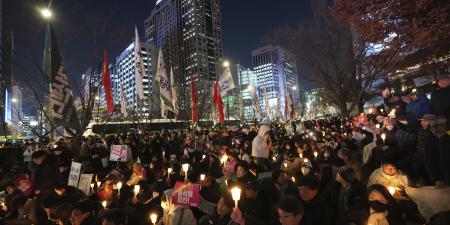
(390, 165)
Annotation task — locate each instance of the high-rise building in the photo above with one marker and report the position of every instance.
(16, 105)
(123, 76)
(276, 72)
(190, 35)
(246, 81)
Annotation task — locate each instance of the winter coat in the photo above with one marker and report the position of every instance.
(317, 212)
(440, 104)
(45, 176)
(260, 147)
(378, 176)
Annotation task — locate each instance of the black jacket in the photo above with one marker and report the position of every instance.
(317, 212)
(46, 176)
(440, 103)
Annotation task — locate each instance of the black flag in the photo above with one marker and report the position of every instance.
(63, 108)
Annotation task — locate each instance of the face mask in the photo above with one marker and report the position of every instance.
(305, 170)
(378, 206)
(389, 127)
(326, 154)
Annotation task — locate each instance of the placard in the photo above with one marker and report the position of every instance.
(186, 194)
(85, 183)
(118, 153)
(24, 184)
(74, 175)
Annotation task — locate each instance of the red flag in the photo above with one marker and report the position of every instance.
(106, 80)
(194, 110)
(217, 101)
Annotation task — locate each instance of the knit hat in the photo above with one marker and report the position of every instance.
(347, 173)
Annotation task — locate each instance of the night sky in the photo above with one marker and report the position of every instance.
(86, 27)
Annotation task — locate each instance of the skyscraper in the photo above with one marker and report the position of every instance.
(247, 80)
(190, 34)
(123, 76)
(276, 72)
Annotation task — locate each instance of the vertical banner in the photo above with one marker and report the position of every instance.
(63, 109)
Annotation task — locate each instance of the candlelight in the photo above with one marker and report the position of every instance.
(236, 194)
(92, 185)
(104, 204)
(381, 110)
(274, 158)
(391, 190)
(224, 159)
(137, 188)
(316, 154)
(119, 185)
(383, 136)
(169, 170)
(377, 126)
(305, 160)
(301, 155)
(153, 218)
(285, 165)
(99, 183)
(293, 179)
(202, 177)
(185, 169)
(204, 156)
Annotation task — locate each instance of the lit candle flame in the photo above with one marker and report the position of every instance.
(202, 177)
(316, 154)
(383, 136)
(153, 218)
(391, 190)
(137, 188)
(236, 194)
(104, 204)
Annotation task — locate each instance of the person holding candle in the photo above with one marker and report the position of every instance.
(317, 210)
(388, 175)
(83, 214)
(383, 208)
(210, 190)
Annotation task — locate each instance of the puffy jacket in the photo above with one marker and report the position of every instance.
(260, 147)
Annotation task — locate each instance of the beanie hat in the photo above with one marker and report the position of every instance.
(347, 173)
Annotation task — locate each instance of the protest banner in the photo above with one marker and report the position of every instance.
(186, 194)
(85, 183)
(74, 175)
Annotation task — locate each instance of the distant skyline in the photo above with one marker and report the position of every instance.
(244, 24)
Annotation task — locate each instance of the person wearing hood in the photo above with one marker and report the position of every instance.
(388, 175)
(261, 145)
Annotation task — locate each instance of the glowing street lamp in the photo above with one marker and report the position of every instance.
(46, 13)
(226, 63)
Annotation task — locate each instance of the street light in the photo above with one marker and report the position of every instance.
(294, 88)
(46, 13)
(14, 100)
(226, 63)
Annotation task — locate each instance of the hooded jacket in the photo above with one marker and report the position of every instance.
(260, 147)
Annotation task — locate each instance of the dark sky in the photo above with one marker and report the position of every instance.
(86, 27)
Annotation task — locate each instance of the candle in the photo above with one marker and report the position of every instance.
(383, 136)
(224, 159)
(381, 110)
(316, 154)
(185, 169)
(153, 218)
(391, 190)
(169, 171)
(98, 184)
(274, 158)
(137, 188)
(377, 126)
(92, 185)
(293, 179)
(305, 160)
(202, 177)
(204, 156)
(236, 194)
(104, 204)
(301, 155)
(285, 165)
(226, 182)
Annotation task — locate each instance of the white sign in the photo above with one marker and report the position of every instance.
(85, 183)
(74, 175)
(119, 153)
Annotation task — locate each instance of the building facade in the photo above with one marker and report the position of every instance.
(276, 75)
(190, 35)
(246, 82)
(124, 78)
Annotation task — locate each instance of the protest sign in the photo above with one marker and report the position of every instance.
(186, 194)
(74, 175)
(119, 153)
(85, 183)
(24, 184)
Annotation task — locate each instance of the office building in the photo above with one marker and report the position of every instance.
(246, 81)
(190, 34)
(124, 77)
(276, 73)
